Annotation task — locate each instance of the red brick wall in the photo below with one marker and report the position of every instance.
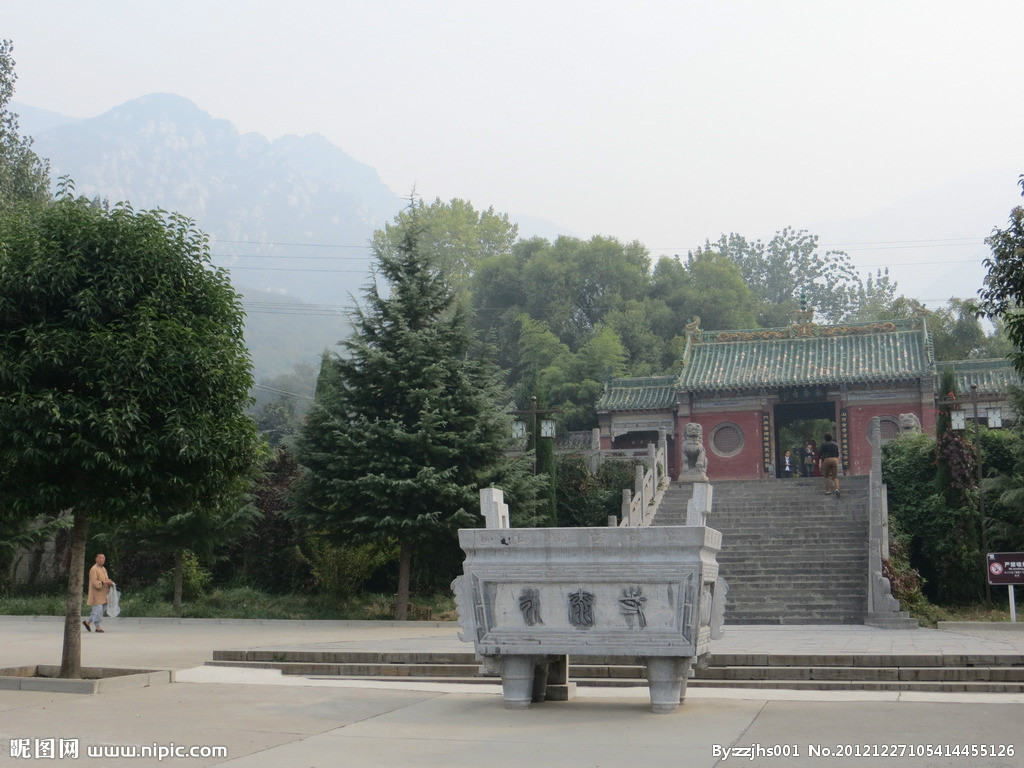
(860, 417)
(748, 463)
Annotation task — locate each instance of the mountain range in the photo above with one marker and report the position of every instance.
(291, 218)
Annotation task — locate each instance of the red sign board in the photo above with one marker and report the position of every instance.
(1006, 568)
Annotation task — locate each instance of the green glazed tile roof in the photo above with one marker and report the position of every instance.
(996, 376)
(639, 394)
(806, 356)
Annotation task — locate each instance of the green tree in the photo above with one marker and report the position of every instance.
(586, 500)
(1002, 453)
(406, 425)
(933, 499)
(875, 297)
(270, 554)
(123, 374)
(958, 335)
(717, 293)
(1003, 295)
(572, 284)
(454, 235)
(193, 524)
(281, 402)
(573, 381)
(18, 534)
(23, 176)
(790, 269)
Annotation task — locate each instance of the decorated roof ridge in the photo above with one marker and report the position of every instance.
(976, 362)
(990, 375)
(638, 393)
(891, 353)
(620, 381)
(697, 335)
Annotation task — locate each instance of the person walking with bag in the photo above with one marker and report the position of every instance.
(99, 588)
(829, 461)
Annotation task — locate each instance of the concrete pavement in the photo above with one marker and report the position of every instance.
(265, 719)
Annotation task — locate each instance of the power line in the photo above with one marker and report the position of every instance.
(285, 256)
(282, 391)
(901, 242)
(301, 269)
(301, 245)
(882, 244)
(366, 271)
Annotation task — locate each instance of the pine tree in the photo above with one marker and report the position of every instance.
(406, 426)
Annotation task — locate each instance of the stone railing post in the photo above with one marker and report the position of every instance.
(663, 451)
(594, 462)
(627, 503)
(880, 598)
(638, 486)
(699, 506)
(493, 508)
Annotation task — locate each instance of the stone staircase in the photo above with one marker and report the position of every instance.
(939, 673)
(790, 554)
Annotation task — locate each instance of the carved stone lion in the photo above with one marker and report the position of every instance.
(694, 456)
(909, 424)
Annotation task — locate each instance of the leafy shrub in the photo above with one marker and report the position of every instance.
(342, 570)
(195, 580)
(586, 500)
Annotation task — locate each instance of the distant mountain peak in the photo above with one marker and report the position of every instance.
(169, 109)
(260, 201)
(162, 150)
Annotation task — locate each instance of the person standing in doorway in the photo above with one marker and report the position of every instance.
(807, 461)
(829, 460)
(99, 588)
(787, 465)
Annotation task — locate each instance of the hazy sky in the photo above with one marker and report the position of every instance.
(668, 122)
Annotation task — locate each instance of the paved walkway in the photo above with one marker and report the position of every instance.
(264, 719)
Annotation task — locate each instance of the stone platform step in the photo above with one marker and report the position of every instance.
(877, 672)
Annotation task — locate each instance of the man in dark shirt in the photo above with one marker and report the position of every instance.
(828, 457)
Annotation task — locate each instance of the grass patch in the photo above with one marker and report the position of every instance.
(930, 615)
(32, 605)
(244, 603)
(980, 612)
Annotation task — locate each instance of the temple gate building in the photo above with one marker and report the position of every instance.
(745, 387)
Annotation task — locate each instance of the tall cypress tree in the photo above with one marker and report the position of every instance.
(407, 425)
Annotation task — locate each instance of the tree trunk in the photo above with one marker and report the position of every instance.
(404, 570)
(71, 658)
(178, 574)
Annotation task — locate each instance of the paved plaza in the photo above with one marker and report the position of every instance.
(265, 719)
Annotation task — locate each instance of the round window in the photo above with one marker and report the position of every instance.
(726, 439)
(889, 427)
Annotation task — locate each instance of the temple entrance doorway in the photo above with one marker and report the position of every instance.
(800, 429)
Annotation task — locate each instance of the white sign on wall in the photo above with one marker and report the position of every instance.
(959, 419)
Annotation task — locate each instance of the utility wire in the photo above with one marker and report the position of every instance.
(366, 271)
(281, 391)
(883, 244)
